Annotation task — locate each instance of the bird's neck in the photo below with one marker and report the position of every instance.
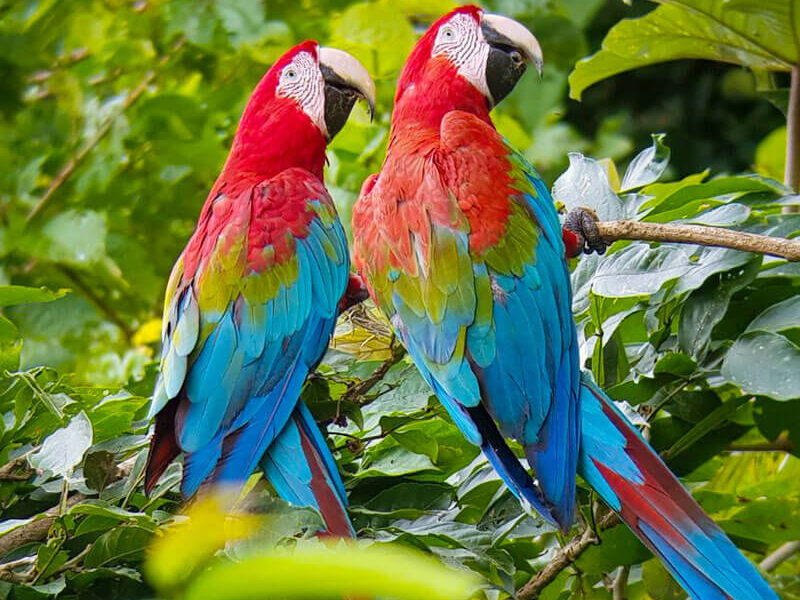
(273, 135)
(426, 96)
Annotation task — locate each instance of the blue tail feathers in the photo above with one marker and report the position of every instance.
(634, 481)
(300, 467)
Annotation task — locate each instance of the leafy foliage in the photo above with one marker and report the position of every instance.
(115, 118)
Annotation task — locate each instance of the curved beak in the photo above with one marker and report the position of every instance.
(346, 80)
(512, 47)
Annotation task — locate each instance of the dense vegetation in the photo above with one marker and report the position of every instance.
(115, 117)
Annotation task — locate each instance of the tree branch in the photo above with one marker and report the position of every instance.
(69, 168)
(564, 557)
(620, 589)
(34, 531)
(612, 231)
(785, 552)
(37, 530)
(792, 173)
(365, 385)
(782, 444)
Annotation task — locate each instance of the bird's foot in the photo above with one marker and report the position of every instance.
(582, 224)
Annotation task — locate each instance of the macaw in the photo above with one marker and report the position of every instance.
(252, 301)
(460, 245)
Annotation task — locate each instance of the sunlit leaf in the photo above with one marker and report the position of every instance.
(63, 450)
(343, 571)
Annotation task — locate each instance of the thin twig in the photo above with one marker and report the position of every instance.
(98, 302)
(69, 168)
(620, 589)
(782, 444)
(564, 557)
(785, 552)
(700, 234)
(358, 390)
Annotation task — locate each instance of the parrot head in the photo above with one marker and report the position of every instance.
(470, 50)
(321, 83)
(299, 105)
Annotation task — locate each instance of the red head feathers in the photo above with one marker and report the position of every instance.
(468, 60)
(296, 108)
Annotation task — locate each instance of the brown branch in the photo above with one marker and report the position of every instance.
(792, 173)
(35, 531)
(700, 234)
(16, 470)
(564, 557)
(359, 389)
(72, 164)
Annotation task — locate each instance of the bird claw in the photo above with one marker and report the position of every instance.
(582, 222)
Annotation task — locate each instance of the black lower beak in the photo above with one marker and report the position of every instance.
(504, 68)
(339, 101)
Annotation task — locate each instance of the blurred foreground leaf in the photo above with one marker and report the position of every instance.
(339, 571)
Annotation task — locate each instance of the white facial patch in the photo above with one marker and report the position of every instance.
(462, 42)
(301, 80)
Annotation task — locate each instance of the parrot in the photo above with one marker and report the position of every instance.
(460, 245)
(252, 300)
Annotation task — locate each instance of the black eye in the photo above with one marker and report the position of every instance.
(448, 33)
(291, 74)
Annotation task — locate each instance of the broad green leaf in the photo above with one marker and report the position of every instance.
(123, 544)
(585, 185)
(778, 317)
(706, 307)
(726, 215)
(619, 547)
(377, 33)
(771, 154)
(647, 166)
(744, 32)
(764, 363)
(639, 270)
(18, 294)
(63, 450)
(705, 426)
(344, 571)
(188, 545)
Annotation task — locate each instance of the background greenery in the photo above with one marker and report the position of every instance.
(138, 101)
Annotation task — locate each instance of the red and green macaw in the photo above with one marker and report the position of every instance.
(252, 301)
(460, 245)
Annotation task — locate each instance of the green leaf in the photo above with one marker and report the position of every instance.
(18, 294)
(778, 317)
(63, 450)
(764, 363)
(705, 426)
(619, 547)
(74, 237)
(647, 166)
(639, 270)
(744, 32)
(585, 185)
(124, 544)
(706, 307)
(99, 469)
(345, 571)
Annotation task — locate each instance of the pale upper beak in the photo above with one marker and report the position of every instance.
(502, 31)
(346, 80)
